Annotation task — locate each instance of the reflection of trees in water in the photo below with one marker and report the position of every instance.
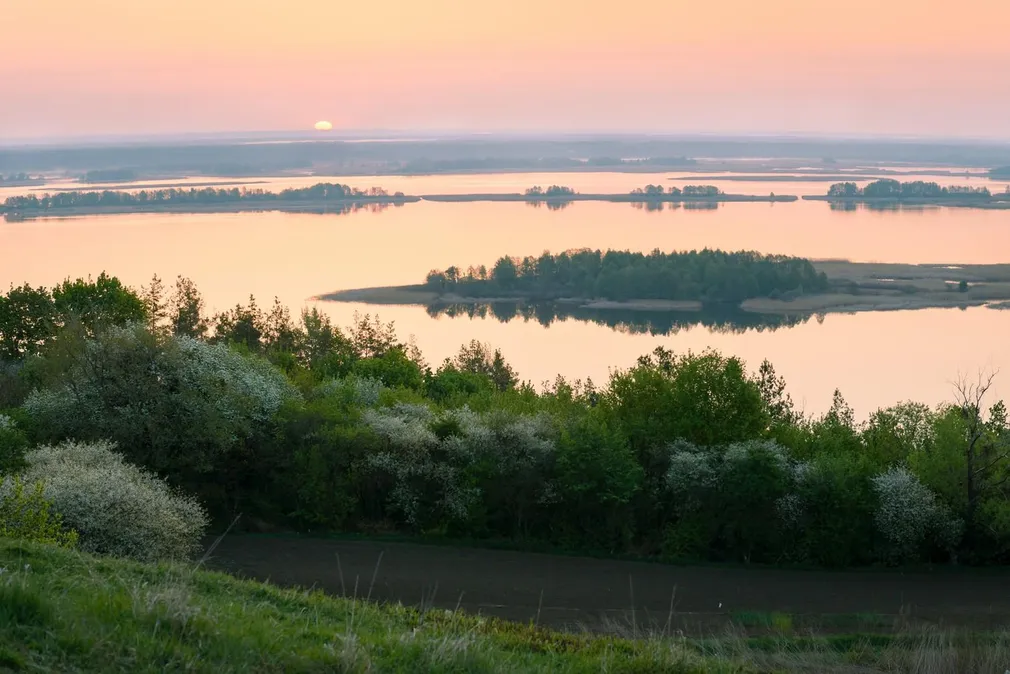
(551, 205)
(730, 320)
(657, 206)
(646, 205)
(343, 208)
(881, 207)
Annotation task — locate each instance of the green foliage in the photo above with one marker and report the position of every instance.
(13, 443)
(597, 477)
(174, 405)
(26, 514)
(393, 368)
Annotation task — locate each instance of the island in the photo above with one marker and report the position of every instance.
(319, 197)
(916, 193)
(703, 280)
(325, 197)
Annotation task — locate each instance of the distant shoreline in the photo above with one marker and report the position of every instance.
(857, 287)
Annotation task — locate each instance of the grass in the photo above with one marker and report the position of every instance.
(66, 611)
(63, 610)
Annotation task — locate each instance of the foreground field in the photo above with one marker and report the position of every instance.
(66, 611)
(602, 595)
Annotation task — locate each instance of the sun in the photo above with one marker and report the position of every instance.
(323, 126)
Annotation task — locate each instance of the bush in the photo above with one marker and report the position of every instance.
(26, 514)
(13, 443)
(829, 517)
(116, 508)
(175, 405)
(726, 500)
(910, 519)
(597, 477)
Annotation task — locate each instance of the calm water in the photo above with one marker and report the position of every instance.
(875, 359)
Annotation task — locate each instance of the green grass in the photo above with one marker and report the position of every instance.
(63, 610)
(66, 611)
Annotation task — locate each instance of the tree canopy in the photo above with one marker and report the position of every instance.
(893, 189)
(706, 275)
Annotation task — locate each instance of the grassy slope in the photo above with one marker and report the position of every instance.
(66, 611)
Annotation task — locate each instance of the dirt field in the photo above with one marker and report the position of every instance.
(581, 593)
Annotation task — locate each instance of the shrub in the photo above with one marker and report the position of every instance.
(597, 477)
(13, 443)
(829, 517)
(910, 519)
(726, 500)
(115, 507)
(175, 405)
(26, 514)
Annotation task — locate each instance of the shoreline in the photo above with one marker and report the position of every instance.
(856, 287)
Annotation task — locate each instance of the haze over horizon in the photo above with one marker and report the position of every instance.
(734, 67)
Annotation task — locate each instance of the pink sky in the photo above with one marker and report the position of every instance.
(802, 66)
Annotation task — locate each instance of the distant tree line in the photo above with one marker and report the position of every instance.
(892, 189)
(207, 195)
(552, 191)
(707, 275)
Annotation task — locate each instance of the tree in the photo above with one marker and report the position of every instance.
(155, 304)
(986, 442)
(97, 304)
(185, 310)
(478, 358)
(27, 321)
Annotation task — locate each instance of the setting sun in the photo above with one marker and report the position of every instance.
(324, 126)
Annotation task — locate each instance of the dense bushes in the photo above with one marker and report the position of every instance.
(115, 507)
(305, 426)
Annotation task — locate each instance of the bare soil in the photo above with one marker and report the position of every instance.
(596, 594)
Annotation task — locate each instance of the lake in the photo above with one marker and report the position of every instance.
(876, 359)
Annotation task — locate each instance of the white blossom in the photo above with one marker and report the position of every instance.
(115, 507)
(909, 515)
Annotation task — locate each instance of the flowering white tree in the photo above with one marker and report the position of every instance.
(115, 507)
(173, 404)
(910, 517)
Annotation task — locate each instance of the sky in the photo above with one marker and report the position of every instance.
(859, 67)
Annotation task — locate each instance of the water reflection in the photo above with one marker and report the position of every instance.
(726, 320)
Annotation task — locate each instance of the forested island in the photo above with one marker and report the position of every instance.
(592, 280)
(916, 192)
(208, 198)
